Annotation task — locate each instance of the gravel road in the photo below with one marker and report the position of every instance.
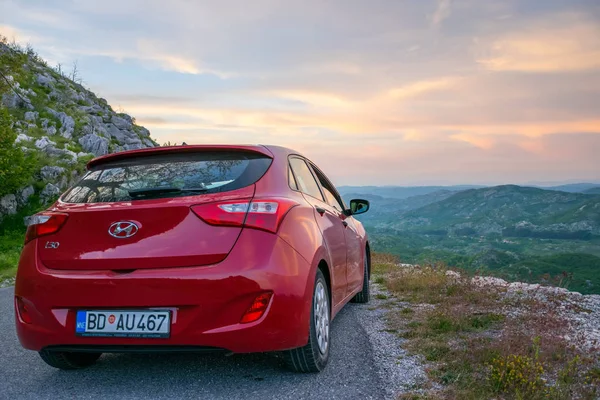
(365, 363)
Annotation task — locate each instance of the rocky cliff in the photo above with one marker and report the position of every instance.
(57, 124)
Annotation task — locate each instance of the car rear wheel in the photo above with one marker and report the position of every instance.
(68, 360)
(364, 295)
(314, 356)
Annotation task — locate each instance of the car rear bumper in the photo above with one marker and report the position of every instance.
(207, 302)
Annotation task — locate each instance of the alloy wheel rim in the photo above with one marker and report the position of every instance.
(321, 312)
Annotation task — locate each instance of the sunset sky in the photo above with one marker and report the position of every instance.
(393, 92)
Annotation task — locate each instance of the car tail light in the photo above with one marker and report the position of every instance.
(44, 223)
(264, 214)
(22, 310)
(258, 308)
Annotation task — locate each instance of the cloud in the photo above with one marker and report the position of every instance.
(442, 11)
(314, 98)
(20, 35)
(416, 88)
(346, 81)
(561, 43)
(482, 142)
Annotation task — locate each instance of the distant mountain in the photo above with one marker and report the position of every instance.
(401, 192)
(385, 209)
(509, 210)
(573, 187)
(595, 190)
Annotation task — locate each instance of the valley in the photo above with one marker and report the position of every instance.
(513, 232)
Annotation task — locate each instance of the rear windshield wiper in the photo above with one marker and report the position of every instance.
(163, 190)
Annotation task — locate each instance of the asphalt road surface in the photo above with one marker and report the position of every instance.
(351, 373)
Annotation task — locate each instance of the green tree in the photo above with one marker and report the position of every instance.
(15, 167)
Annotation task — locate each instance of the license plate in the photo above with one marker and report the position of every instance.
(139, 324)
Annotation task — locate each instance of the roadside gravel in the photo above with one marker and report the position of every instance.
(402, 372)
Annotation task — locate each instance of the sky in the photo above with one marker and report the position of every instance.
(376, 92)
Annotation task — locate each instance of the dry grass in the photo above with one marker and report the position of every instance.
(479, 342)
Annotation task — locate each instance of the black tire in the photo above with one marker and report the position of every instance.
(312, 357)
(69, 360)
(364, 295)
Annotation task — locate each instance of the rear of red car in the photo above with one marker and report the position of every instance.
(171, 248)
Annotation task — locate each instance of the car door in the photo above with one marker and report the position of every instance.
(329, 223)
(354, 253)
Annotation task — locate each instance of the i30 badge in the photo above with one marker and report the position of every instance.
(123, 229)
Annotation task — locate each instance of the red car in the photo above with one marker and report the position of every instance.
(192, 248)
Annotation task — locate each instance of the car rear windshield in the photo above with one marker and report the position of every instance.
(172, 175)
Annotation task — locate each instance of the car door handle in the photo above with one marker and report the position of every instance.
(320, 210)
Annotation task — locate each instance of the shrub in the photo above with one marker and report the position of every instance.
(517, 374)
(15, 167)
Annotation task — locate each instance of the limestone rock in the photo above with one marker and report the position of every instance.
(49, 193)
(44, 142)
(94, 144)
(124, 122)
(8, 205)
(25, 194)
(31, 116)
(45, 80)
(50, 173)
(21, 137)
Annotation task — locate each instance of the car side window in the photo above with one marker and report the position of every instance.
(291, 179)
(304, 178)
(330, 192)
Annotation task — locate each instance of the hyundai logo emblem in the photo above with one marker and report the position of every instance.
(123, 229)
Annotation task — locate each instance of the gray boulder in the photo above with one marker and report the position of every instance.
(68, 156)
(21, 137)
(144, 132)
(55, 95)
(95, 126)
(50, 173)
(49, 193)
(31, 116)
(148, 143)
(25, 194)
(8, 205)
(13, 100)
(123, 122)
(44, 142)
(68, 126)
(133, 140)
(93, 109)
(45, 80)
(52, 111)
(94, 144)
(51, 130)
(120, 135)
(67, 123)
(133, 146)
(74, 95)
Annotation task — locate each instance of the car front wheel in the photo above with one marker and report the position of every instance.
(314, 356)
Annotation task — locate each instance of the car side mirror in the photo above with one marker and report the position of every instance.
(358, 206)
